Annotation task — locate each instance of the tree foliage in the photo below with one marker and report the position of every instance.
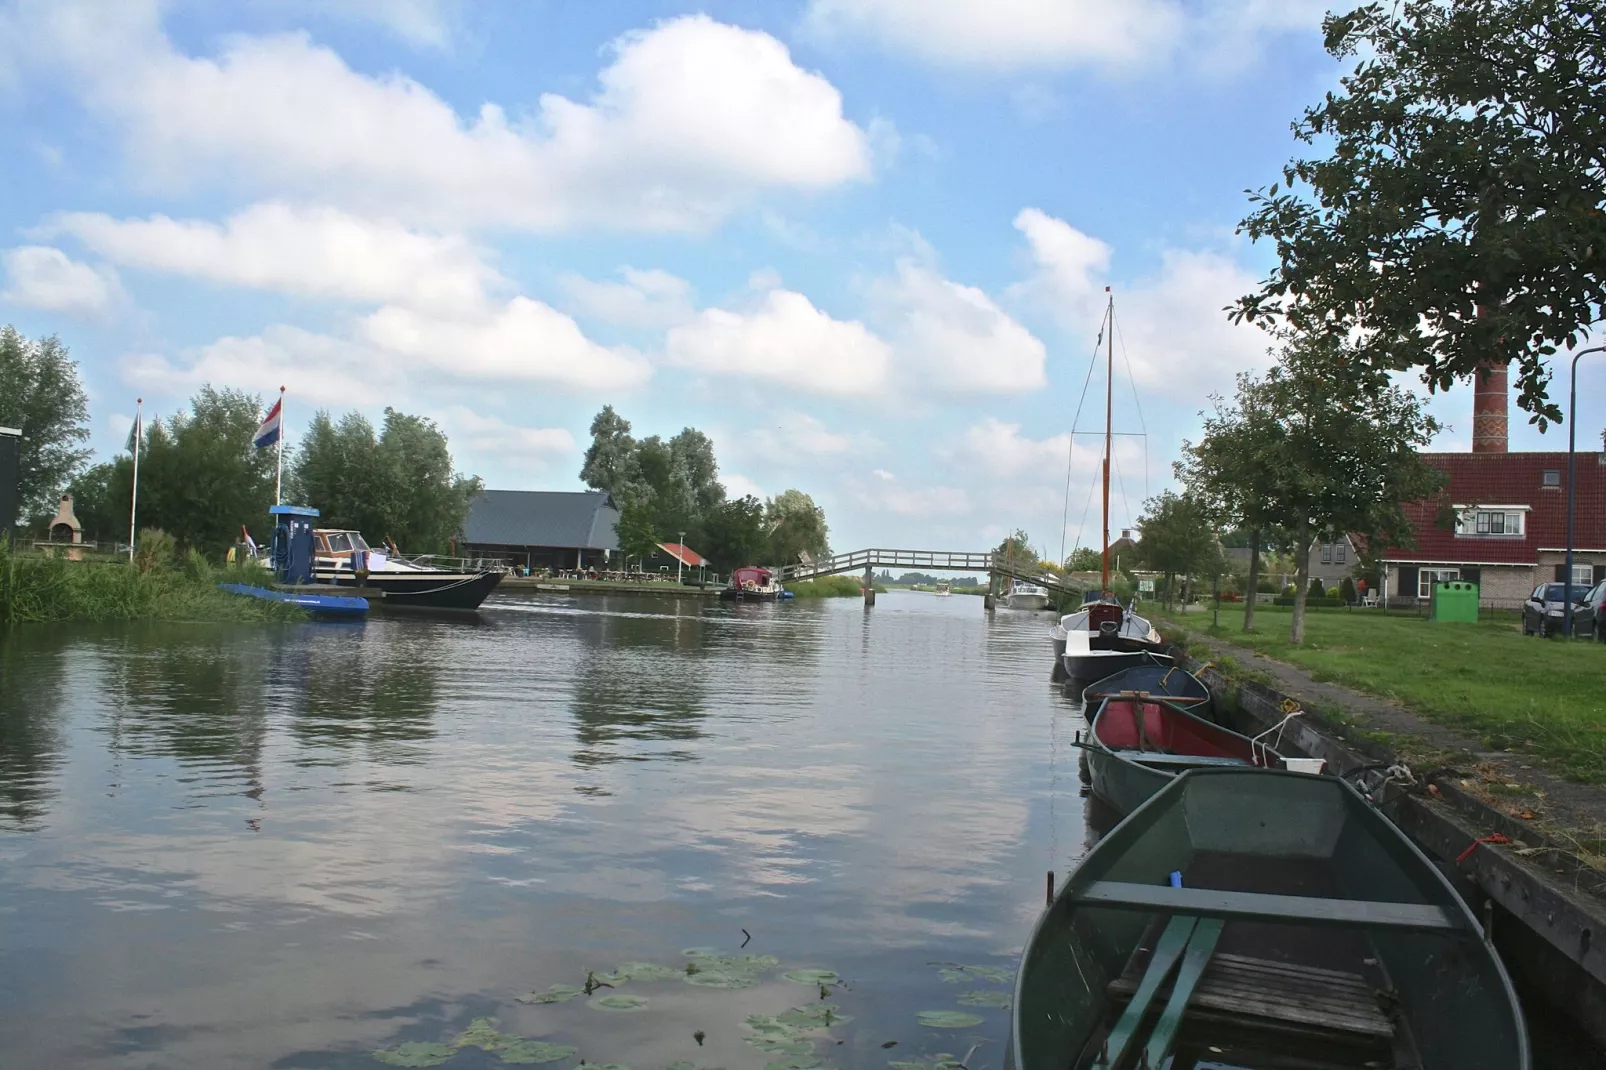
(796, 527)
(1456, 217)
(41, 396)
(1176, 537)
(1322, 443)
(200, 477)
(1084, 559)
(398, 485)
(664, 488)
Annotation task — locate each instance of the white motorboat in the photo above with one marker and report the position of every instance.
(345, 559)
(943, 590)
(1026, 596)
(1101, 639)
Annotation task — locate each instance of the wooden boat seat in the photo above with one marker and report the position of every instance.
(1257, 906)
(1154, 757)
(1330, 1009)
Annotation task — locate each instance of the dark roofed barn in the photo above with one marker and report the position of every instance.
(550, 529)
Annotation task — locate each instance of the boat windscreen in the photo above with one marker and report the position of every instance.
(358, 542)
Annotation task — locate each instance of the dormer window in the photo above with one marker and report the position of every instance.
(1552, 477)
(1497, 520)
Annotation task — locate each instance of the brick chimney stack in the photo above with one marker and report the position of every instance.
(1489, 408)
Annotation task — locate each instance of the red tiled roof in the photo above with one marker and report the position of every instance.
(1510, 479)
(684, 554)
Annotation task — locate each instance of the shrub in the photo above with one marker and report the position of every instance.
(1346, 590)
(1316, 589)
(1266, 587)
(153, 550)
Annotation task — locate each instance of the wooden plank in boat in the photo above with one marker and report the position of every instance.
(1279, 996)
(1257, 906)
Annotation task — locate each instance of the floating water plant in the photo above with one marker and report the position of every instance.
(415, 1053)
(795, 1062)
(710, 968)
(482, 1033)
(983, 997)
(953, 973)
(619, 1002)
(948, 1019)
(813, 1016)
(687, 1064)
(555, 994)
(531, 1052)
(811, 977)
(639, 971)
(937, 1062)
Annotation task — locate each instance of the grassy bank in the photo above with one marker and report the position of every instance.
(39, 589)
(1546, 698)
(829, 587)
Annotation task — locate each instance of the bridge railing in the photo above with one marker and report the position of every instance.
(944, 560)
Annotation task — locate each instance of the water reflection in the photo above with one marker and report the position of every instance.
(33, 714)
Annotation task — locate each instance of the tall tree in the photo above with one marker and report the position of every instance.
(610, 459)
(40, 395)
(1084, 559)
(796, 526)
(200, 477)
(1338, 452)
(691, 455)
(1456, 215)
(1235, 470)
(734, 533)
(1176, 537)
(397, 485)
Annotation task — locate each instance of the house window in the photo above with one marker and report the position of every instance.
(1427, 577)
(1553, 477)
(1490, 522)
(1327, 553)
(1339, 553)
(1583, 575)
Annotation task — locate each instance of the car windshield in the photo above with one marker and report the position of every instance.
(1556, 592)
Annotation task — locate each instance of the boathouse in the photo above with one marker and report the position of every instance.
(537, 529)
(1501, 519)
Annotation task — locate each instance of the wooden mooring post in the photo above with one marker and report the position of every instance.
(989, 601)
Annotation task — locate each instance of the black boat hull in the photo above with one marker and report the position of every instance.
(420, 590)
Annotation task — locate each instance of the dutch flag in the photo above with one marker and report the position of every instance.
(268, 433)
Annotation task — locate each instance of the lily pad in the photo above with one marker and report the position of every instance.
(795, 1062)
(766, 1023)
(415, 1053)
(618, 1002)
(813, 1016)
(642, 971)
(996, 975)
(482, 1033)
(720, 979)
(938, 1062)
(948, 1019)
(782, 1045)
(555, 994)
(812, 977)
(984, 997)
(520, 1050)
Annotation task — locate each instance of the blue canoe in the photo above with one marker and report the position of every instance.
(322, 605)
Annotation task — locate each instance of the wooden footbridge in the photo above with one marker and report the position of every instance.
(996, 564)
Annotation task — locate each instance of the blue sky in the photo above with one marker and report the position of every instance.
(861, 243)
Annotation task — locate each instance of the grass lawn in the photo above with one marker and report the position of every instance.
(1546, 698)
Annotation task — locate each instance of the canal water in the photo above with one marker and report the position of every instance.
(292, 846)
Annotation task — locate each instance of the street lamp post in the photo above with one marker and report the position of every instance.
(680, 554)
(1572, 466)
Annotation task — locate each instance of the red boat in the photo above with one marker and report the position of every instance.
(750, 583)
(1138, 742)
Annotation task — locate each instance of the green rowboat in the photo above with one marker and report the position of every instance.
(1268, 920)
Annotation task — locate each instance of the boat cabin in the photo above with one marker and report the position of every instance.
(752, 578)
(331, 547)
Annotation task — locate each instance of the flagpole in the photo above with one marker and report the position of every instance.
(278, 462)
(133, 498)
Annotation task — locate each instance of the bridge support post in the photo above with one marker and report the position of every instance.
(869, 586)
(989, 601)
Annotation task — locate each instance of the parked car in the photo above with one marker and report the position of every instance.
(1597, 604)
(1545, 611)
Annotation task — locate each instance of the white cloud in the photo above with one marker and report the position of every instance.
(887, 494)
(1171, 327)
(310, 251)
(44, 277)
(420, 23)
(651, 299)
(953, 337)
(739, 486)
(785, 340)
(691, 119)
(525, 341)
(320, 370)
(488, 436)
(1020, 35)
(795, 438)
(999, 448)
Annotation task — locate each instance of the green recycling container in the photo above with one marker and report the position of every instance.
(1455, 601)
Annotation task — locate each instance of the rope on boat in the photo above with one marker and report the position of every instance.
(1264, 751)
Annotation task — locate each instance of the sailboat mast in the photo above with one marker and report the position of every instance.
(1109, 426)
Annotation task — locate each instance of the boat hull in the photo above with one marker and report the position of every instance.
(328, 606)
(1030, 602)
(1159, 676)
(1135, 747)
(1091, 665)
(1315, 888)
(422, 589)
(731, 594)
